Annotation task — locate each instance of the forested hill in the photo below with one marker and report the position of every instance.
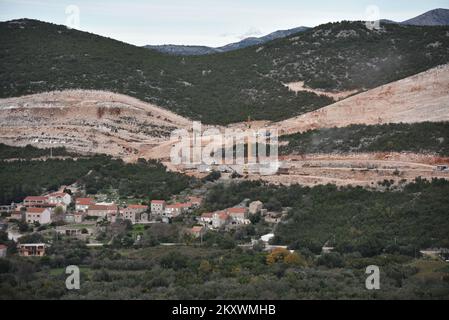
(219, 88)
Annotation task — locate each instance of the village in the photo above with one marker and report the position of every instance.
(67, 213)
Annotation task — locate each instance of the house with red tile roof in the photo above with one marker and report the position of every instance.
(82, 204)
(220, 219)
(40, 215)
(176, 209)
(59, 197)
(35, 201)
(195, 201)
(102, 211)
(196, 231)
(133, 212)
(206, 218)
(238, 214)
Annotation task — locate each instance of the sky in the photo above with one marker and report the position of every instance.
(205, 22)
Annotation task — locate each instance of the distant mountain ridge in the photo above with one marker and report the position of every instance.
(202, 50)
(436, 17)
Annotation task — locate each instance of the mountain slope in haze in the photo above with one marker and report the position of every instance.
(220, 88)
(437, 17)
(184, 50)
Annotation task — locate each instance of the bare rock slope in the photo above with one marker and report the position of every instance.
(419, 98)
(86, 121)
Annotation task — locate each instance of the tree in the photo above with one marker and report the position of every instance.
(277, 255)
(205, 267)
(331, 260)
(295, 259)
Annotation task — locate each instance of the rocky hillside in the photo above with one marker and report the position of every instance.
(422, 97)
(221, 88)
(85, 121)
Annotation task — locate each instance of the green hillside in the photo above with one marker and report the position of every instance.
(219, 88)
(353, 219)
(426, 137)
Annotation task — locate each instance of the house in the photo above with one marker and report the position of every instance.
(144, 217)
(157, 206)
(206, 218)
(3, 250)
(220, 219)
(82, 204)
(133, 212)
(59, 198)
(78, 217)
(195, 201)
(6, 208)
(41, 215)
(255, 207)
(31, 249)
(35, 201)
(69, 218)
(102, 211)
(112, 217)
(17, 215)
(69, 231)
(197, 231)
(238, 215)
(173, 210)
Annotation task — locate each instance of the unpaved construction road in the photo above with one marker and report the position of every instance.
(364, 169)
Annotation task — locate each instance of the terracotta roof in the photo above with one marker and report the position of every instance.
(85, 201)
(2, 246)
(36, 198)
(186, 204)
(196, 229)
(207, 215)
(137, 206)
(35, 210)
(222, 215)
(158, 201)
(236, 210)
(102, 207)
(174, 206)
(195, 199)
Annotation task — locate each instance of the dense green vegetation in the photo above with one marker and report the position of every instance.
(29, 152)
(352, 219)
(366, 227)
(212, 273)
(144, 179)
(426, 137)
(218, 88)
